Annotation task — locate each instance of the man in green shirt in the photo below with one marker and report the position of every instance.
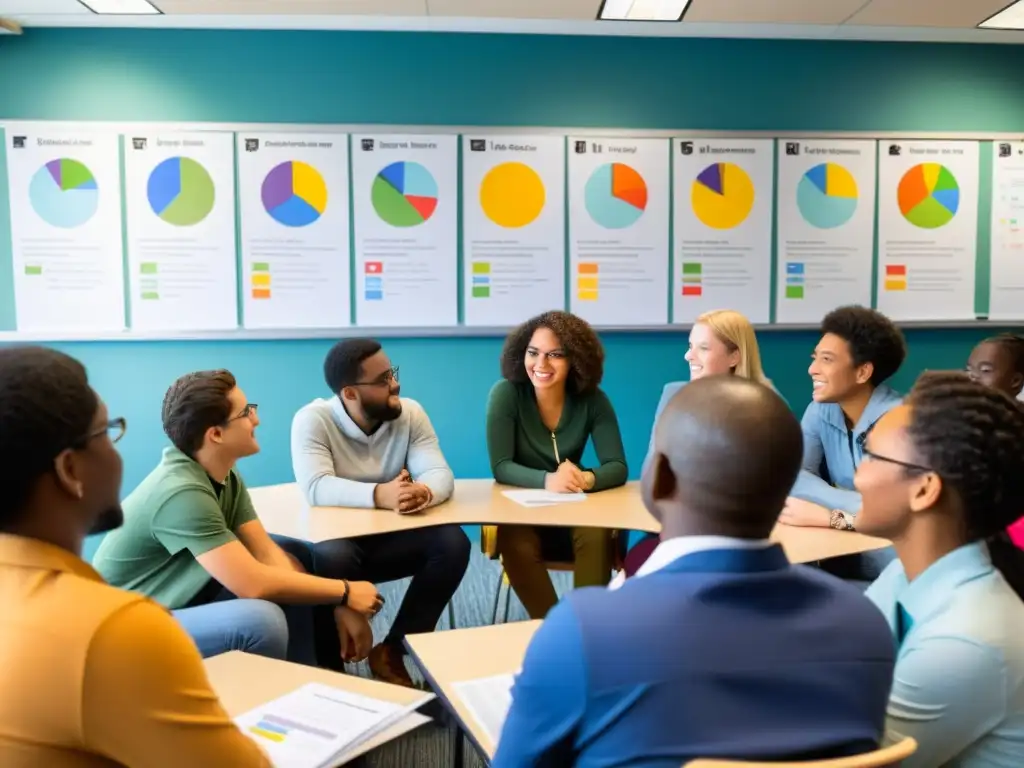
(192, 541)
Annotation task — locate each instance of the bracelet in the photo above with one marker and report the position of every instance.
(344, 598)
(841, 521)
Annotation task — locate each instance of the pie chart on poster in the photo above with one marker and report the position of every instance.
(64, 193)
(722, 196)
(928, 195)
(512, 195)
(181, 192)
(827, 196)
(404, 194)
(615, 196)
(294, 194)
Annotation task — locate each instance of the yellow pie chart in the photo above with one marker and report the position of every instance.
(722, 196)
(512, 195)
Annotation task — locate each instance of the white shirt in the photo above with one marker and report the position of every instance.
(671, 550)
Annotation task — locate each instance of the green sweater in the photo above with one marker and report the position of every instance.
(523, 450)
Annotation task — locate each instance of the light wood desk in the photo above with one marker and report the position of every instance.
(244, 681)
(446, 658)
(480, 502)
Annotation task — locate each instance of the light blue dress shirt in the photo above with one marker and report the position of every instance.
(959, 684)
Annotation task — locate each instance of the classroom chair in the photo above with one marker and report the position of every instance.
(890, 757)
(489, 546)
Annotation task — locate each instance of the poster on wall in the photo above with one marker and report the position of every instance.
(618, 230)
(64, 185)
(722, 226)
(293, 197)
(826, 227)
(180, 203)
(513, 223)
(405, 198)
(1006, 286)
(927, 229)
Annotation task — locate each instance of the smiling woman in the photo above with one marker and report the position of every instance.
(539, 420)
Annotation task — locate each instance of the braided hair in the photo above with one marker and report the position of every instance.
(1014, 346)
(972, 437)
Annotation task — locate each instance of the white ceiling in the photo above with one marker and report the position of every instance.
(938, 20)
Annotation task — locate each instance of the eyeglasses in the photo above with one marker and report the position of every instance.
(555, 355)
(115, 429)
(249, 410)
(384, 379)
(889, 460)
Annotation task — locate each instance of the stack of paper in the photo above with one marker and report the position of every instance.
(530, 497)
(488, 699)
(315, 726)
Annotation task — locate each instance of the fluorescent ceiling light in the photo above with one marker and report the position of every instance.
(121, 7)
(1011, 17)
(642, 10)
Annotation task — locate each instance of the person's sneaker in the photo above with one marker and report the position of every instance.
(388, 666)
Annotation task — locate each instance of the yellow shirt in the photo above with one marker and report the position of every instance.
(94, 677)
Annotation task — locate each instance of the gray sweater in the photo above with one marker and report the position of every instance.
(336, 464)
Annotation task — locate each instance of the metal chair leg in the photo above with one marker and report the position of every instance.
(451, 614)
(497, 597)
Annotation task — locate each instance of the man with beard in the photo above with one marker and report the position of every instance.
(191, 538)
(367, 447)
(91, 675)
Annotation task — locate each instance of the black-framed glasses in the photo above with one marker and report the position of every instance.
(115, 429)
(384, 379)
(889, 460)
(247, 412)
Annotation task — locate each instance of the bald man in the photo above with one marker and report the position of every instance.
(718, 647)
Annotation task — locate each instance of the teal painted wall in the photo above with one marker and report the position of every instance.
(483, 80)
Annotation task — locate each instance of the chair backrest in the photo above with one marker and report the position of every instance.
(890, 757)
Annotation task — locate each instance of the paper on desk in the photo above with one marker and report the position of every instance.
(488, 700)
(531, 497)
(313, 726)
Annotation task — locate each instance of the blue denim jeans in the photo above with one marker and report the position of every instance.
(221, 621)
(253, 626)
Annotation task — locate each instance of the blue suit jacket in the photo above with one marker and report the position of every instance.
(723, 653)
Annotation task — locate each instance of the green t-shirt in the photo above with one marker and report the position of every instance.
(175, 515)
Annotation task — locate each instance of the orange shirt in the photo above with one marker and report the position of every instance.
(94, 677)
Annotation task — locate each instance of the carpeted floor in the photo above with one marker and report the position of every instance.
(433, 745)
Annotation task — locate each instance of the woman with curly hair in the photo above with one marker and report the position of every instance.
(539, 419)
(942, 478)
(721, 342)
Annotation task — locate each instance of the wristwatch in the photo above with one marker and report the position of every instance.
(841, 521)
(344, 598)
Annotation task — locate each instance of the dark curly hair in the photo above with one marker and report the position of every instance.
(579, 342)
(46, 407)
(343, 365)
(971, 436)
(872, 337)
(193, 404)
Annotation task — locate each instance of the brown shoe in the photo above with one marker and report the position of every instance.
(388, 666)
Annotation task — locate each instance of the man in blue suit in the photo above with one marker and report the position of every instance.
(718, 647)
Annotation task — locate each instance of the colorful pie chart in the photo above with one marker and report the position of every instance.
(827, 196)
(928, 195)
(294, 194)
(615, 196)
(404, 194)
(64, 193)
(181, 192)
(722, 196)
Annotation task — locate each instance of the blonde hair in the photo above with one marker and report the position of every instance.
(735, 331)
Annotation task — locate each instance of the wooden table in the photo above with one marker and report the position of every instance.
(447, 658)
(480, 502)
(244, 681)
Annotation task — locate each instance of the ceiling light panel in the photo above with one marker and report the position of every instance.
(643, 10)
